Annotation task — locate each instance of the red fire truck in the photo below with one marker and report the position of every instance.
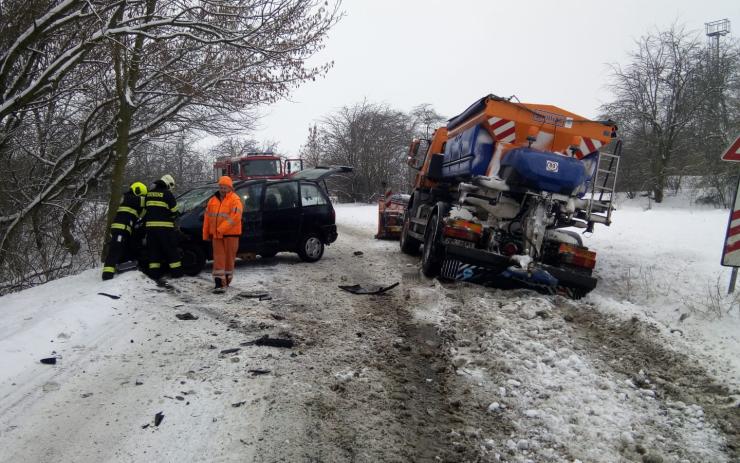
(256, 165)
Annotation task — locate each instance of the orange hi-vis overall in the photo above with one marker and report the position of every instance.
(223, 225)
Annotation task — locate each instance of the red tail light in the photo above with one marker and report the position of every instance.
(577, 256)
(509, 249)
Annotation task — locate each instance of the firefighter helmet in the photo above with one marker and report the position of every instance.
(169, 181)
(139, 189)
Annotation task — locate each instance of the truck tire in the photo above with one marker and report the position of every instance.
(409, 244)
(310, 248)
(430, 261)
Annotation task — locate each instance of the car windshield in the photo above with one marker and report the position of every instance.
(260, 167)
(194, 198)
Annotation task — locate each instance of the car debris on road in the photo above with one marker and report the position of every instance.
(367, 289)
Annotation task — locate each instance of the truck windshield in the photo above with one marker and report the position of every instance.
(194, 198)
(260, 167)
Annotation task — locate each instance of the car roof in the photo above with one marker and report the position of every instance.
(255, 181)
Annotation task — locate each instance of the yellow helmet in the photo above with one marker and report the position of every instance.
(139, 189)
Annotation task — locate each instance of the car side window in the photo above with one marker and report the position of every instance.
(282, 195)
(250, 196)
(311, 196)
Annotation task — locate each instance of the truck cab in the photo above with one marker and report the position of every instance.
(255, 166)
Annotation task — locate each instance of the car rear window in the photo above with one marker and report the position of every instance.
(311, 196)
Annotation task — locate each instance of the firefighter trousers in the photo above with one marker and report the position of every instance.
(117, 248)
(163, 252)
(224, 256)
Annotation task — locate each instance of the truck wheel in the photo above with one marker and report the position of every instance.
(430, 262)
(193, 259)
(311, 248)
(409, 244)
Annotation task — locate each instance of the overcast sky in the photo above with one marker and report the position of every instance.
(448, 54)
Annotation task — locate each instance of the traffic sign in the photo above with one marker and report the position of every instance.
(733, 152)
(731, 252)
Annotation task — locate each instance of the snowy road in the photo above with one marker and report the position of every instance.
(425, 372)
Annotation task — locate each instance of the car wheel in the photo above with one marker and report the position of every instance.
(430, 262)
(311, 248)
(409, 244)
(193, 258)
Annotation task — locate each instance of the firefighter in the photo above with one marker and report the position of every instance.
(161, 239)
(222, 225)
(130, 210)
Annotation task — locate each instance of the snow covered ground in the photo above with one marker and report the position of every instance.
(659, 261)
(645, 368)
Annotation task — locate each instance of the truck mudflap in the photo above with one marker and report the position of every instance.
(490, 269)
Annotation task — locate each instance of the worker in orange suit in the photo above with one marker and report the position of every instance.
(222, 225)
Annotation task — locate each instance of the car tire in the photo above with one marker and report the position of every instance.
(430, 261)
(311, 248)
(193, 258)
(409, 245)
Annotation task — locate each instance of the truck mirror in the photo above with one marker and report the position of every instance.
(411, 160)
(414, 148)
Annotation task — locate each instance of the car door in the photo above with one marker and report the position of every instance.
(315, 207)
(252, 234)
(281, 215)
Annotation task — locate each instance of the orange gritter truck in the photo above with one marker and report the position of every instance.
(502, 190)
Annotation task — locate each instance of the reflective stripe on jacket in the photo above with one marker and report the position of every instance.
(128, 212)
(223, 218)
(161, 207)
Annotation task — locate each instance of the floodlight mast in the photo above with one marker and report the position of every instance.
(714, 31)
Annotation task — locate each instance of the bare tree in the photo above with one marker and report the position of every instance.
(373, 139)
(310, 151)
(718, 124)
(424, 120)
(90, 80)
(657, 100)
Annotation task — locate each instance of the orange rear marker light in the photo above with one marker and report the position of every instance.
(577, 256)
(462, 229)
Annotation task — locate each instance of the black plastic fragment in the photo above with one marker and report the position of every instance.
(112, 296)
(158, 418)
(254, 294)
(186, 316)
(230, 351)
(270, 342)
(49, 361)
(238, 404)
(367, 289)
(259, 371)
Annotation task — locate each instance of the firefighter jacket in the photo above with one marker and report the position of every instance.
(130, 210)
(223, 216)
(161, 207)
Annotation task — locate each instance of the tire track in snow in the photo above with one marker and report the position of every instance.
(639, 353)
